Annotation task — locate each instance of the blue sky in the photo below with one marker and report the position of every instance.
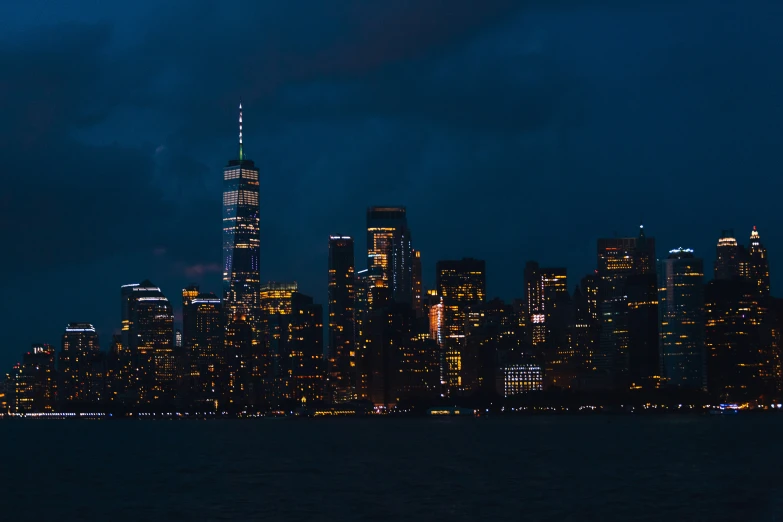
(512, 131)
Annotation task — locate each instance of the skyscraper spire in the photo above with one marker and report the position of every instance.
(241, 154)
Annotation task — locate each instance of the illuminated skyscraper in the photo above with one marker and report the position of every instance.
(758, 264)
(35, 380)
(583, 334)
(370, 291)
(618, 260)
(276, 302)
(418, 287)
(681, 313)
(544, 289)
(305, 363)
(120, 373)
(148, 333)
(589, 289)
(342, 324)
(204, 327)
(461, 284)
(738, 366)
(550, 313)
(389, 247)
(730, 257)
(493, 333)
(241, 240)
(80, 382)
(241, 350)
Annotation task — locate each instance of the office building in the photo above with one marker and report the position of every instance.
(79, 367)
(681, 312)
(371, 292)
(389, 247)
(203, 322)
(737, 363)
(418, 285)
(306, 366)
(35, 381)
(241, 239)
(758, 264)
(120, 374)
(342, 323)
(731, 259)
(148, 334)
(460, 284)
(550, 311)
(521, 378)
(618, 260)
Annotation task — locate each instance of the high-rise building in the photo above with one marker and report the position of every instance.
(275, 297)
(342, 322)
(589, 289)
(389, 247)
(306, 364)
(418, 286)
(35, 381)
(737, 360)
(203, 334)
(774, 332)
(618, 260)
(461, 284)
(78, 366)
(241, 237)
(583, 330)
(550, 313)
(400, 363)
(642, 322)
(148, 334)
(188, 319)
(681, 313)
(276, 303)
(758, 264)
(730, 257)
(241, 351)
(371, 292)
(493, 333)
(120, 373)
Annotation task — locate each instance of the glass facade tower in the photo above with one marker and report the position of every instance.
(241, 241)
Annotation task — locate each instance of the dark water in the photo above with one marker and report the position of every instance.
(543, 468)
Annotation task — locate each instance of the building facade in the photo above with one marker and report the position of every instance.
(681, 314)
(241, 236)
(618, 260)
(342, 321)
(148, 334)
(389, 247)
(79, 367)
(460, 284)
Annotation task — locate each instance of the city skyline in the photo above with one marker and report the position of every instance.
(567, 137)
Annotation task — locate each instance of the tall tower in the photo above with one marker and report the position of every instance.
(418, 287)
(389, 247)
(758, 264)
(730, 257)
(681, 315)
(203, 316)
(461, 284)
(241, 239)
(148, 333)
(342, 324)
(80, 350)
(621, 261)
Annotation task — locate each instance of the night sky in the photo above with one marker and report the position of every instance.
(511, 130)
